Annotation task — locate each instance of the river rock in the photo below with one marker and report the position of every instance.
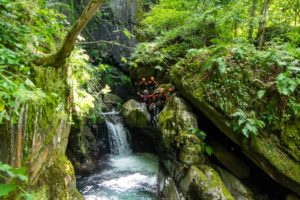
(204, 183)
(237, 189)
(112, 99)
(135, 114)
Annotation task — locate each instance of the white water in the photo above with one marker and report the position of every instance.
(122, 175)
(117, 134)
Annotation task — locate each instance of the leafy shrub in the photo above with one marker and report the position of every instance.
(13, 178)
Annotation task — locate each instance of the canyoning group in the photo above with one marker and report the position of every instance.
(153, 96)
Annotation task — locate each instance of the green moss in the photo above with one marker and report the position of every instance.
(59, 178)
(291, 139)
(135, 114)
(204, 183)
(283, 164)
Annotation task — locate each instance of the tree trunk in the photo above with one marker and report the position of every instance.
(262, 25)
(58, 59)
(252, 16)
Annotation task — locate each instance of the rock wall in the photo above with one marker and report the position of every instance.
(185, 160)
(265, 151)
(110, 28)
(44, 130)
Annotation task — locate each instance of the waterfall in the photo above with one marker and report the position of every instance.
(117, 134)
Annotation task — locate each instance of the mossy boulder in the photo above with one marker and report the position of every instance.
(59, 179)
(291, 139)
(113, 99)
(203, 182)
(237, 189)
(175, 123)
(135, 114)
(266, 150)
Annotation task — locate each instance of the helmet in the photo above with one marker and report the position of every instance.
(171, 89)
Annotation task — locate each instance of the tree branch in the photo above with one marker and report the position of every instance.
(58, 59)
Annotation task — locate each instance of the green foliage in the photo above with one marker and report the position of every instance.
(27, 28)
(202, 135)
(247, 124)
(14, 179)
(256, 89)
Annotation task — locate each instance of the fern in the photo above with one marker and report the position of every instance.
(247, 124)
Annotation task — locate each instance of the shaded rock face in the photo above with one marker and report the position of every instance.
(135, 114)
(238, 190)
(266, 151)
(60, 175)
(230, 161)
(48, 167)
(87, 142)
(108, 25)
(184, 158)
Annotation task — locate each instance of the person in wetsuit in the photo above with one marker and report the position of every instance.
(152, 84)
(161, 99)
(142, 85)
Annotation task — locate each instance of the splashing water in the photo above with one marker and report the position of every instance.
(122, 175)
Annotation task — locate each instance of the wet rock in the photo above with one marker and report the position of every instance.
(237, 189)
(135, 114)
(230, 161)
(167, 187)
(170, 191)
(204, 183)
(112, 99)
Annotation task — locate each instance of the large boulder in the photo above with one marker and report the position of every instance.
(237, 189)
(184, 154)
(175, 123)
(204, 183)
(58, 180)
(135, 114)
(265, 150)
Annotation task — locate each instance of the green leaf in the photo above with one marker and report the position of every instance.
(5, 189)
(26, 196)
(127, 33)
(20, 173)
(221, 64)
(261, 93)
(2, 104)
(29, 83)
(4, 167)
(208, 150)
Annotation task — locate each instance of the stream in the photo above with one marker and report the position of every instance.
(121, 175)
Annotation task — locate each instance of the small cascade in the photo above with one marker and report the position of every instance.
(121, 174)
(117, 134)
